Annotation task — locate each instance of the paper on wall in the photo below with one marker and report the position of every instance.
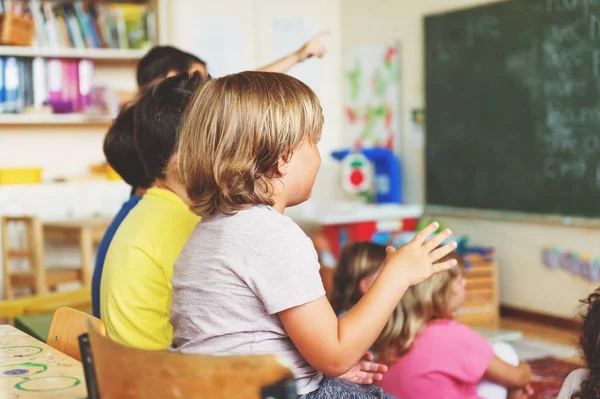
(218, 42)
(289, 34)
(372, 102)
(417, 127)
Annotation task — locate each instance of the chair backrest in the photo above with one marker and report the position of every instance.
(67, 325)
(122, 371)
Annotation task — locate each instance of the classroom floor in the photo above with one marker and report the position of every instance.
(542, 332)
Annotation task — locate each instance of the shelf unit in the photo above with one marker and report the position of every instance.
(31, 119)
(92, 54)
(106, 58)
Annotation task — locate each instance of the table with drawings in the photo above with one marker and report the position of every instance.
(32, 369)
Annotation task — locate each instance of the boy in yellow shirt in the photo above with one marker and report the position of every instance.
(136, 282)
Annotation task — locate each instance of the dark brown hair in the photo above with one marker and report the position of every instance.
(590, 346)
(121, 153)
(157, 118)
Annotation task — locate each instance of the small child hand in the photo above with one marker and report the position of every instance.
(365, 371)
(417, 258)
(315, 47)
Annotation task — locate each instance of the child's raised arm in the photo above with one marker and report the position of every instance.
(333, 346)
(315, 47)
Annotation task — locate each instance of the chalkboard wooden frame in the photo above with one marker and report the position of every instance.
(511, 217)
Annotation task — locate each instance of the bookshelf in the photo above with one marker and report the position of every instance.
(91, 54)
(104, 49)
(32, 119)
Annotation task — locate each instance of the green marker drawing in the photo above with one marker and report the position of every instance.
(372, 115)
(71, 380)
(353, 77)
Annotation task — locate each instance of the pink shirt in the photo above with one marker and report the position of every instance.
(446, 360)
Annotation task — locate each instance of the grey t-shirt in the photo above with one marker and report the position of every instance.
(234, 275)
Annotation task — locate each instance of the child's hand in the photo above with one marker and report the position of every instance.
(365, 371)
(315, 47)
(417, 258)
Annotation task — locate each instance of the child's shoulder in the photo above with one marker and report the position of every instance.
(260, 218)
(450, 329)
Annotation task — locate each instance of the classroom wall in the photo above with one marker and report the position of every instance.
(258, 49)
(69, 150)
(524, 280)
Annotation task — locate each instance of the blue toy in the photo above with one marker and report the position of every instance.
(388, 173)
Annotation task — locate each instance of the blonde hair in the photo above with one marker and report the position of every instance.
(419, 306)
(357, 261)
(234, 132)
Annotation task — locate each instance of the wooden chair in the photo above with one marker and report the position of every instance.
(37, 279)
(67, 325)
(122, 371)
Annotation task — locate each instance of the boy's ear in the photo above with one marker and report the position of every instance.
(283, 165)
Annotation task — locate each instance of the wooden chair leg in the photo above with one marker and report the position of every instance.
(8, 294)
(36, 249)
(87, 248)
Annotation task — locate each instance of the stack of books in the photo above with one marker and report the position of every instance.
(87, 24)
(35, 83)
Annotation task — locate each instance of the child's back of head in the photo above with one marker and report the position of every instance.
(423, 303)
(236, 131)
(121, 153)
(157, 118)
(162, 61)
(590, 346)
(355, 271)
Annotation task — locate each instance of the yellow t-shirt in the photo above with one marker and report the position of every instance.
(135, 292)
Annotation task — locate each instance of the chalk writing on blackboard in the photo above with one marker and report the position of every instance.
(559, 6)
(520, 106)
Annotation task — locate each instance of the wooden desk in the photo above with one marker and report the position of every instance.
(85, 232)
(32, 369)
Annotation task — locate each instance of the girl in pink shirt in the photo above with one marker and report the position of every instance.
(431, 356)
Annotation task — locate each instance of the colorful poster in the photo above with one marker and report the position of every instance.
(578, 264)
(372, 86)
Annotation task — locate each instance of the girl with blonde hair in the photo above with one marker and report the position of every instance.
(430, 355)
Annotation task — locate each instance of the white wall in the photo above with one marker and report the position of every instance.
(68, 150)
(257, 46)
(525, 282)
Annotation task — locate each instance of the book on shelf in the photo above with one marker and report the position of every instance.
(34, 83)
(87, 24)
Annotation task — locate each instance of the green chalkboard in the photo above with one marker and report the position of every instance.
(513, 107)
